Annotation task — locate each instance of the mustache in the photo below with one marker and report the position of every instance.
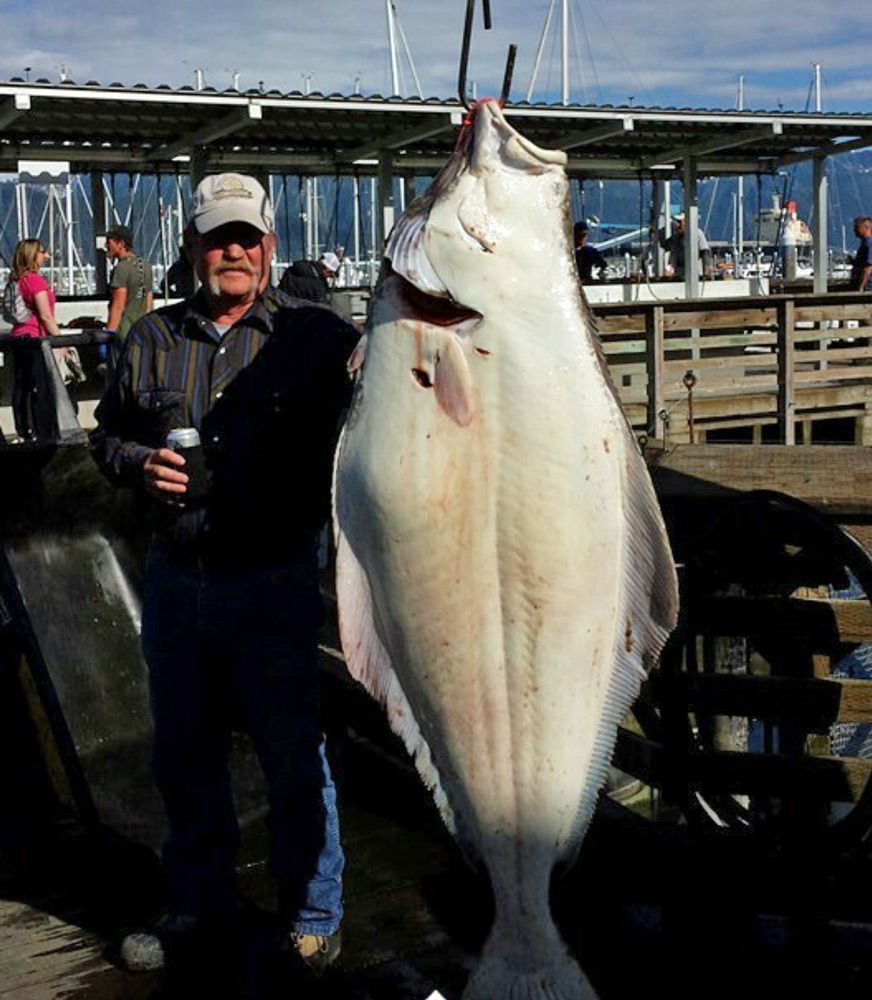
(239, 266)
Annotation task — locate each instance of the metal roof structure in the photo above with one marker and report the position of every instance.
(142, 129)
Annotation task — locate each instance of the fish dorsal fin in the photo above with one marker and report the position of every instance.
(454, 387)
(370, 664)
(648, 611)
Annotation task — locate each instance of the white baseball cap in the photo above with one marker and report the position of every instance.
(330, 260)
(223, 198)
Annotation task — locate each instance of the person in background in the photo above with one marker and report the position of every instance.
(587, 257)
(231, 605)
(307, 279)
(180, 276)
(32, 390)
(861, 270)
(674, 246)
(131, 293)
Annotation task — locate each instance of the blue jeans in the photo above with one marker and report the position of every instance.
(239, 645)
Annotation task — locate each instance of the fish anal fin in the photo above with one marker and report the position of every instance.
(648, 611)
(370, 664)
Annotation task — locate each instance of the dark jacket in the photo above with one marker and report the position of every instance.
(303, 280)
(266, 397)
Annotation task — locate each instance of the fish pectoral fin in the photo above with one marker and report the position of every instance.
(453, 384)
(358, 355)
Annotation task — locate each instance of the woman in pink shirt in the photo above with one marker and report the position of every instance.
(31, 392)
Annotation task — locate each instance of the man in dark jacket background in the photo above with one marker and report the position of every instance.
(308, 279)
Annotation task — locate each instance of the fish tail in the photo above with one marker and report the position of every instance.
(505, 974)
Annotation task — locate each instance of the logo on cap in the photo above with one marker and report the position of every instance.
(231, 187)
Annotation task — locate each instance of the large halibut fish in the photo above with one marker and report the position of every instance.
(503, 574)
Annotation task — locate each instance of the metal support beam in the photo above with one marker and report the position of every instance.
(197, 169)
(691, 229)
(9, 112)
(98, 207)
(237, 119)
(385, 199)
(659, 200)
(714, 145)
(821, 152)
(370, 150)
(608, 131)
(819, 225)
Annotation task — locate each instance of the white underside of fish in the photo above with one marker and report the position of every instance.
(503, 580)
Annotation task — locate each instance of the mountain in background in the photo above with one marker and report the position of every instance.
(151, 206)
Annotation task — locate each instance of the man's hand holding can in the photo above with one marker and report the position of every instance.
(177, 472)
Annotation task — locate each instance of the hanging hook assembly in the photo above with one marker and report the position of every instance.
(464, 54)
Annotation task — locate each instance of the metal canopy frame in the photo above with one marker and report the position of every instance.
(137, 128)
(140, 129)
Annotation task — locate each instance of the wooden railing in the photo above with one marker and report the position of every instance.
(685, 367)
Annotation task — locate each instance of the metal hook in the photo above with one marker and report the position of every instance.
(464, 54)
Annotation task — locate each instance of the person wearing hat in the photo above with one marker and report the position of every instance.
(131, 286)
(674, 246)
(307, 279)
(231, 603)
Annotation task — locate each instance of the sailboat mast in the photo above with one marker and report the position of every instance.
(740, 196)
(392, 43)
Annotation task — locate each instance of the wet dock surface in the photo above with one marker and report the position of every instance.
(417, 914)
(649, 909)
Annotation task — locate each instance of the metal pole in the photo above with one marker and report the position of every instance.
(24, 214)
(408, 52)
(386, 198)
(819, 223)
(373, 218)
(539, 50)
(18, 226)
(356, 199)
(392, 43)
(71, 285)
(740, 196)
(565, 52)
(316, 222)
(51, 235)
(691, 229)
(98, 211)
(817, 87)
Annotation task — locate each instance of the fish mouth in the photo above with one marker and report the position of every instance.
(427, 307)
(496, 140)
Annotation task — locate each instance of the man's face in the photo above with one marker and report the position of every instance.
(114, 248)
(862, 230)
(233, 261)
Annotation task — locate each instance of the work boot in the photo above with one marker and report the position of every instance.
(316, 952)
(147, 950)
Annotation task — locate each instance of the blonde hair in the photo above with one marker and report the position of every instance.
(25, 259)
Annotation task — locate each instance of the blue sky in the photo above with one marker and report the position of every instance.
(686, 53)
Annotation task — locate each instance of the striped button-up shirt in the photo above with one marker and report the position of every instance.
(266, 396)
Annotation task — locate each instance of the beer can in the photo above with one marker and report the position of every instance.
(186, 441)
(183, 437)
